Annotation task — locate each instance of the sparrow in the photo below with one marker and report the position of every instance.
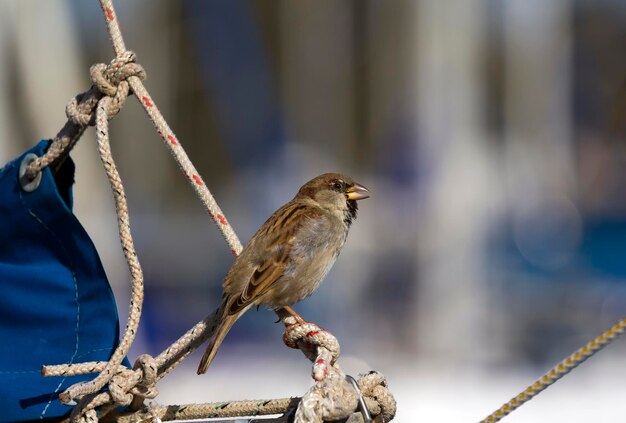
(289, 256)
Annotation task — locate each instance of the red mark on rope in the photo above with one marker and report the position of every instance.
(197, 179)
(147, 101)
(222, 219)
(234, 253)
(172, 139)
(109, 13)
(320, 361)
(313, 333)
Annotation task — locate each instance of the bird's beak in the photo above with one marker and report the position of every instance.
(357, 192)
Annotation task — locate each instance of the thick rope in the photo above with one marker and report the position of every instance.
(339, 405)
(222, 410)
(558, 371)
(331, 398)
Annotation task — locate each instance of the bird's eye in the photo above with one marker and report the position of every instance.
(338, 185)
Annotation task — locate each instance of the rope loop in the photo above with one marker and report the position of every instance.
(107, 78)
(379, 399)
(110, 80)
(79, 110)
(309, 337)
(335, 399)
(118, 388)
(149, 369)
(318, 345)
(146, 387)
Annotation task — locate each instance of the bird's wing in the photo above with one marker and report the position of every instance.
(276, 239)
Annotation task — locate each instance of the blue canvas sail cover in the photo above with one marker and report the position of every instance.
(56, 305)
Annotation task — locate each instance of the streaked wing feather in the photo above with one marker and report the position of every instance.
(279, 232)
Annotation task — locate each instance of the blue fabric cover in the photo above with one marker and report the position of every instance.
(56, 305)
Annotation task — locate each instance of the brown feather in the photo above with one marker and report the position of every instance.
(221, 325)
(272, 268)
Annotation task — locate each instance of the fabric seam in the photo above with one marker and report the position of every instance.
(73, 272)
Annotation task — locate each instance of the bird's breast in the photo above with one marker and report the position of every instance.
(313, 254)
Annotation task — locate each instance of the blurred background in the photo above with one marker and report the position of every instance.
(490, 133)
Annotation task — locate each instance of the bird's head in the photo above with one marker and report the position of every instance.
(336, 193)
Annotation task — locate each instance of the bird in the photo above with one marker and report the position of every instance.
(289, 256)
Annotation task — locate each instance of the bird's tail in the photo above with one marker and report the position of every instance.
(220, 324)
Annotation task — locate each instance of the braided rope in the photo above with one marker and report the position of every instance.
(168, 135)
(108, 80)
(317, 344)
(558, 371)
(341, 405)
(113, 82)
(329, 398)
(223, 409)
(121, 207)
(67, 137)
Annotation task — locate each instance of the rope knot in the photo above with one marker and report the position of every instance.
(149, 371)
(110, 81)
(109, 78)
(118, 387)
(138, 381)
(335, 399)
(308, 337)
(317, 344)
(379, 399)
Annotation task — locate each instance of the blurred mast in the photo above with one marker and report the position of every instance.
(456, 186)
(538, 141)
